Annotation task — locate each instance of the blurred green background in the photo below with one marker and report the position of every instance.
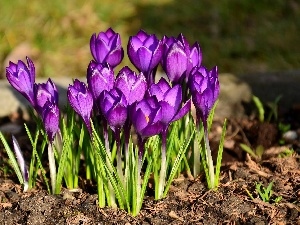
(240, 36)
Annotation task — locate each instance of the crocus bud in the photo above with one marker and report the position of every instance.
(22, 78)
(100, 77)
(44, 92)
(50, 117)
(195, 59)
(196, 55)
(133, 86)
(81, 100)
(145, 52)
(113, 105)
(175, 60)
(107, 48)
(205, 89)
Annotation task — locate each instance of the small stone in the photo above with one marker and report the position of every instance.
(290, 135)
(10, 128)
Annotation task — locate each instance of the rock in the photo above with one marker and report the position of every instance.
(233, 92)
(10, 128)
(268, 86)
(290, 136)
(20, 52)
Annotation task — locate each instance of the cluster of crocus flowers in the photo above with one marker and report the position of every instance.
(127, 98)
(132, 98)
(43, 98)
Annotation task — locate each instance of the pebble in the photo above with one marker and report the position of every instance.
(10, 128)
(290, 136)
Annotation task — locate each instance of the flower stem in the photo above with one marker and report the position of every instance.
(209, 160)
(141, 143)
(162, 173)
(52, 167)
(119, 154)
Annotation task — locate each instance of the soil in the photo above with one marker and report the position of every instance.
(236, 201)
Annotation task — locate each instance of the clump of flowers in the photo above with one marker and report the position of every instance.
(113, 109)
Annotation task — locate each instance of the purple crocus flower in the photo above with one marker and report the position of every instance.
(113, 105)
(50, 117)
(146, 117)
(100, 77)
(205, 89)
(44, 92)
(81, 100)
(170, 100)
(22, 78)
(145, 52)
(179, 58)
(175, 60)
(133, 86)
(107, 48)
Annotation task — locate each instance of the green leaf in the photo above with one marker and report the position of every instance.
(260, 108)
(220, 154)
(62, 165)
(34, 149)
(12, 158)
(259, 151)
(247, 149)
(110, 170)
(183, 148)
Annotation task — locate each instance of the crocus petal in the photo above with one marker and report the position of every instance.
(134, 44)
(167, 112)
(31, 69)
(183, 111)
(117, 116)
(142, 35)
(175, 63)
(21, 161)
(138, 90)
(196, 55)
(140, 120)
(114, 57)
(174, 96)
(144, 59)
(152, 130)
(159, 89)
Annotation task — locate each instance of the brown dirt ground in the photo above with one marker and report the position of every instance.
(189, 201)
